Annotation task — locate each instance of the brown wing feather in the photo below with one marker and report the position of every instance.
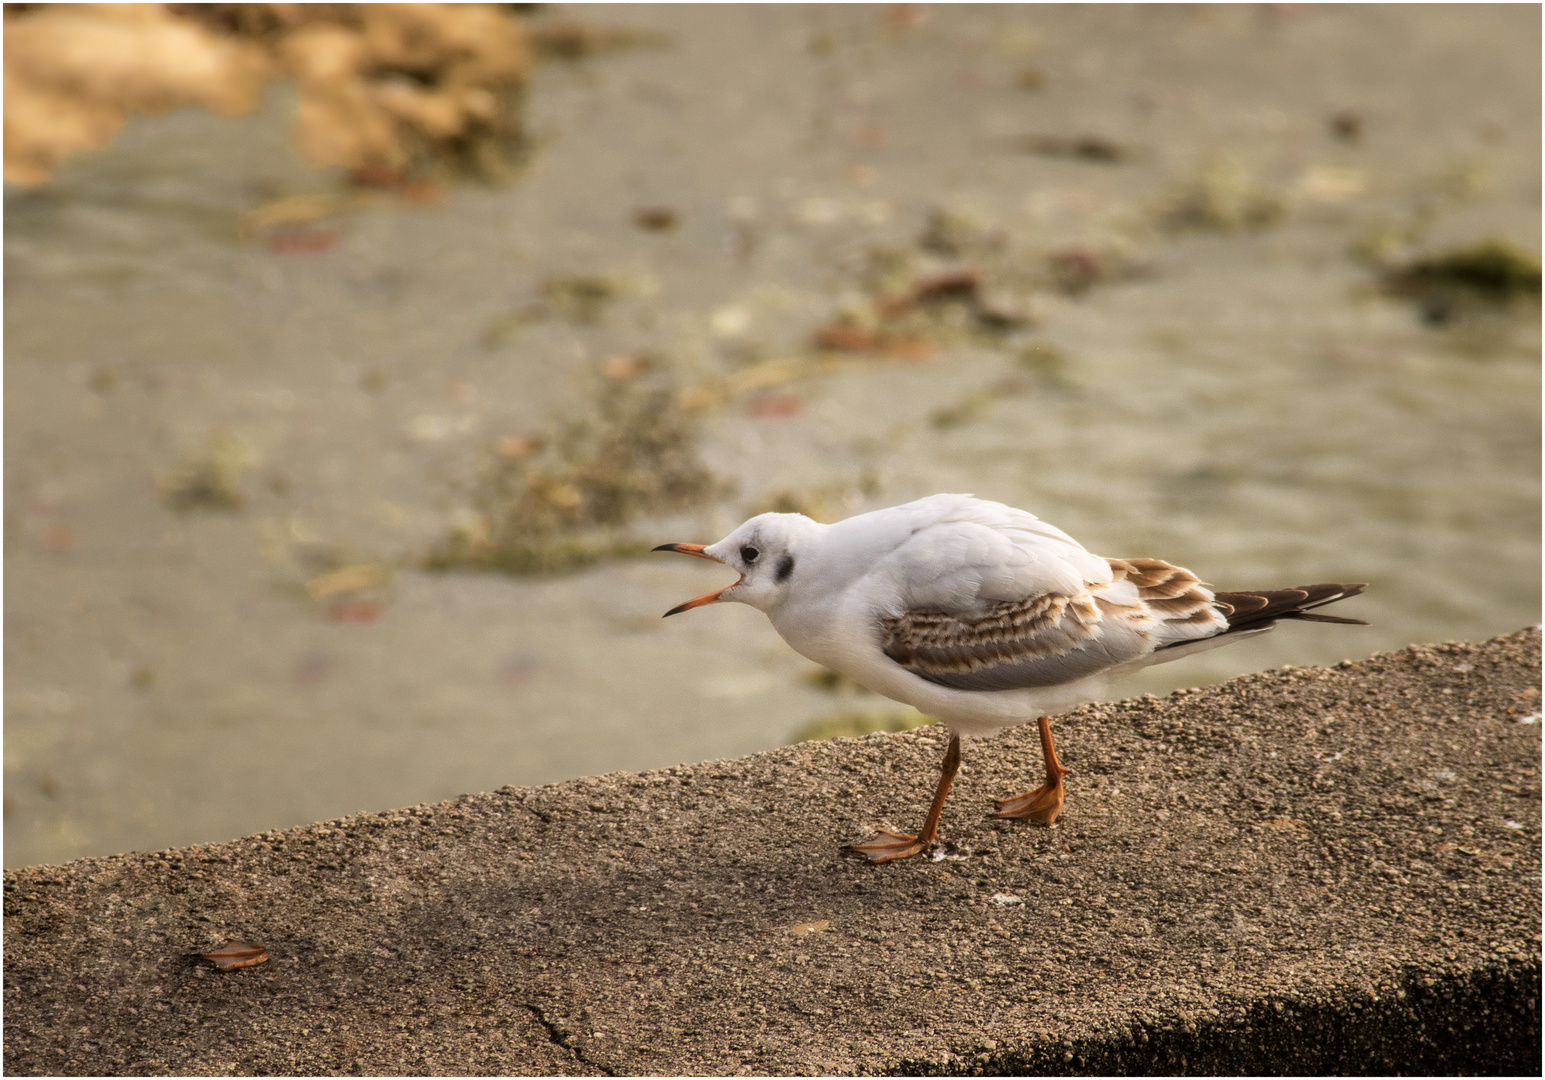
(951, 642)
(1172, 593)
(1039, 641)
(1047, 640)
(1156, 579)
(1258, 608)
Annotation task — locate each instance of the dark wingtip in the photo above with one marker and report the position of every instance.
(1260, 608)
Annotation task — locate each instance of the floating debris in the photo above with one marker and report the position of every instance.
(1223, 197)
(954, 235)
(1077, 268)
(1030, 78)
(355, 612)
(1493, 272)
(59, 539)
(626, 365)
(408, 88)
(236, 954)
(776, 406)
(762, 376)
(853, 724)
(905, 16)
(208, 481)
(956, 286)
(294, 210)
(1348, 125)
(346, 587)
(517, 446)
(1044, 360)
(655, 218)
(566, 503)
(302, 241)
(349, 579)
(580, 298)
(74, 76)
(909, 315)
(837, 337)
(1330, 185)
(1092, 148)
(383, 89)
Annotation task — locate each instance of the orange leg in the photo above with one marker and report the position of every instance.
(900, 846)
(1044, 803)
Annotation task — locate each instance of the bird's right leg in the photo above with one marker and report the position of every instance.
(900, 846)
(1044, 803)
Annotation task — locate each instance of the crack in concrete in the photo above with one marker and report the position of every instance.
(559, 1037)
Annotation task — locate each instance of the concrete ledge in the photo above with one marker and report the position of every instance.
(1302, 871)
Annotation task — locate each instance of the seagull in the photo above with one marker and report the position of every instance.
(983, 616)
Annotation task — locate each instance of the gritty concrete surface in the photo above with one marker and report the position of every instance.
(1302, 871)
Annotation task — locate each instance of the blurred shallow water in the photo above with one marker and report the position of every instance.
(1247, 406)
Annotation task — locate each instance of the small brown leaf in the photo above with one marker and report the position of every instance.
(624, 366)
(302, 241)
(1030, 78)
(837, 338)
(348, 579)
(515, 446)
(421, 194)
(236, 954)
(954, 285)
(776, 405)
(355, 612)
(655, 218)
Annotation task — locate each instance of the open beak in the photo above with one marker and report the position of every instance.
(696, 551)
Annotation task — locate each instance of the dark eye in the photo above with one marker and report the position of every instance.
(749, 554)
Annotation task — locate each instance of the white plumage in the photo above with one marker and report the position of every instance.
(980, 614)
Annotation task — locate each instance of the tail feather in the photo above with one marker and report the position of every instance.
(1260, 608)
(1257, 611)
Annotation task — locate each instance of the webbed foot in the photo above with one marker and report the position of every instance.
(889, 846)
(1040, 806)
(1044, 803)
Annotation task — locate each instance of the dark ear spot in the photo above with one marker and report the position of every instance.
(785, 568)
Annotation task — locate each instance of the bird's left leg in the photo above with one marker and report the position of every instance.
(900, 846)
(1044, 803)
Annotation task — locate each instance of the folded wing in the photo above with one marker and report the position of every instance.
(997, 600)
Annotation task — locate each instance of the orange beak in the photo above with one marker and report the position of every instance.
(696, 551)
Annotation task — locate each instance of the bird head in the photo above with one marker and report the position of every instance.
(764, 551)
